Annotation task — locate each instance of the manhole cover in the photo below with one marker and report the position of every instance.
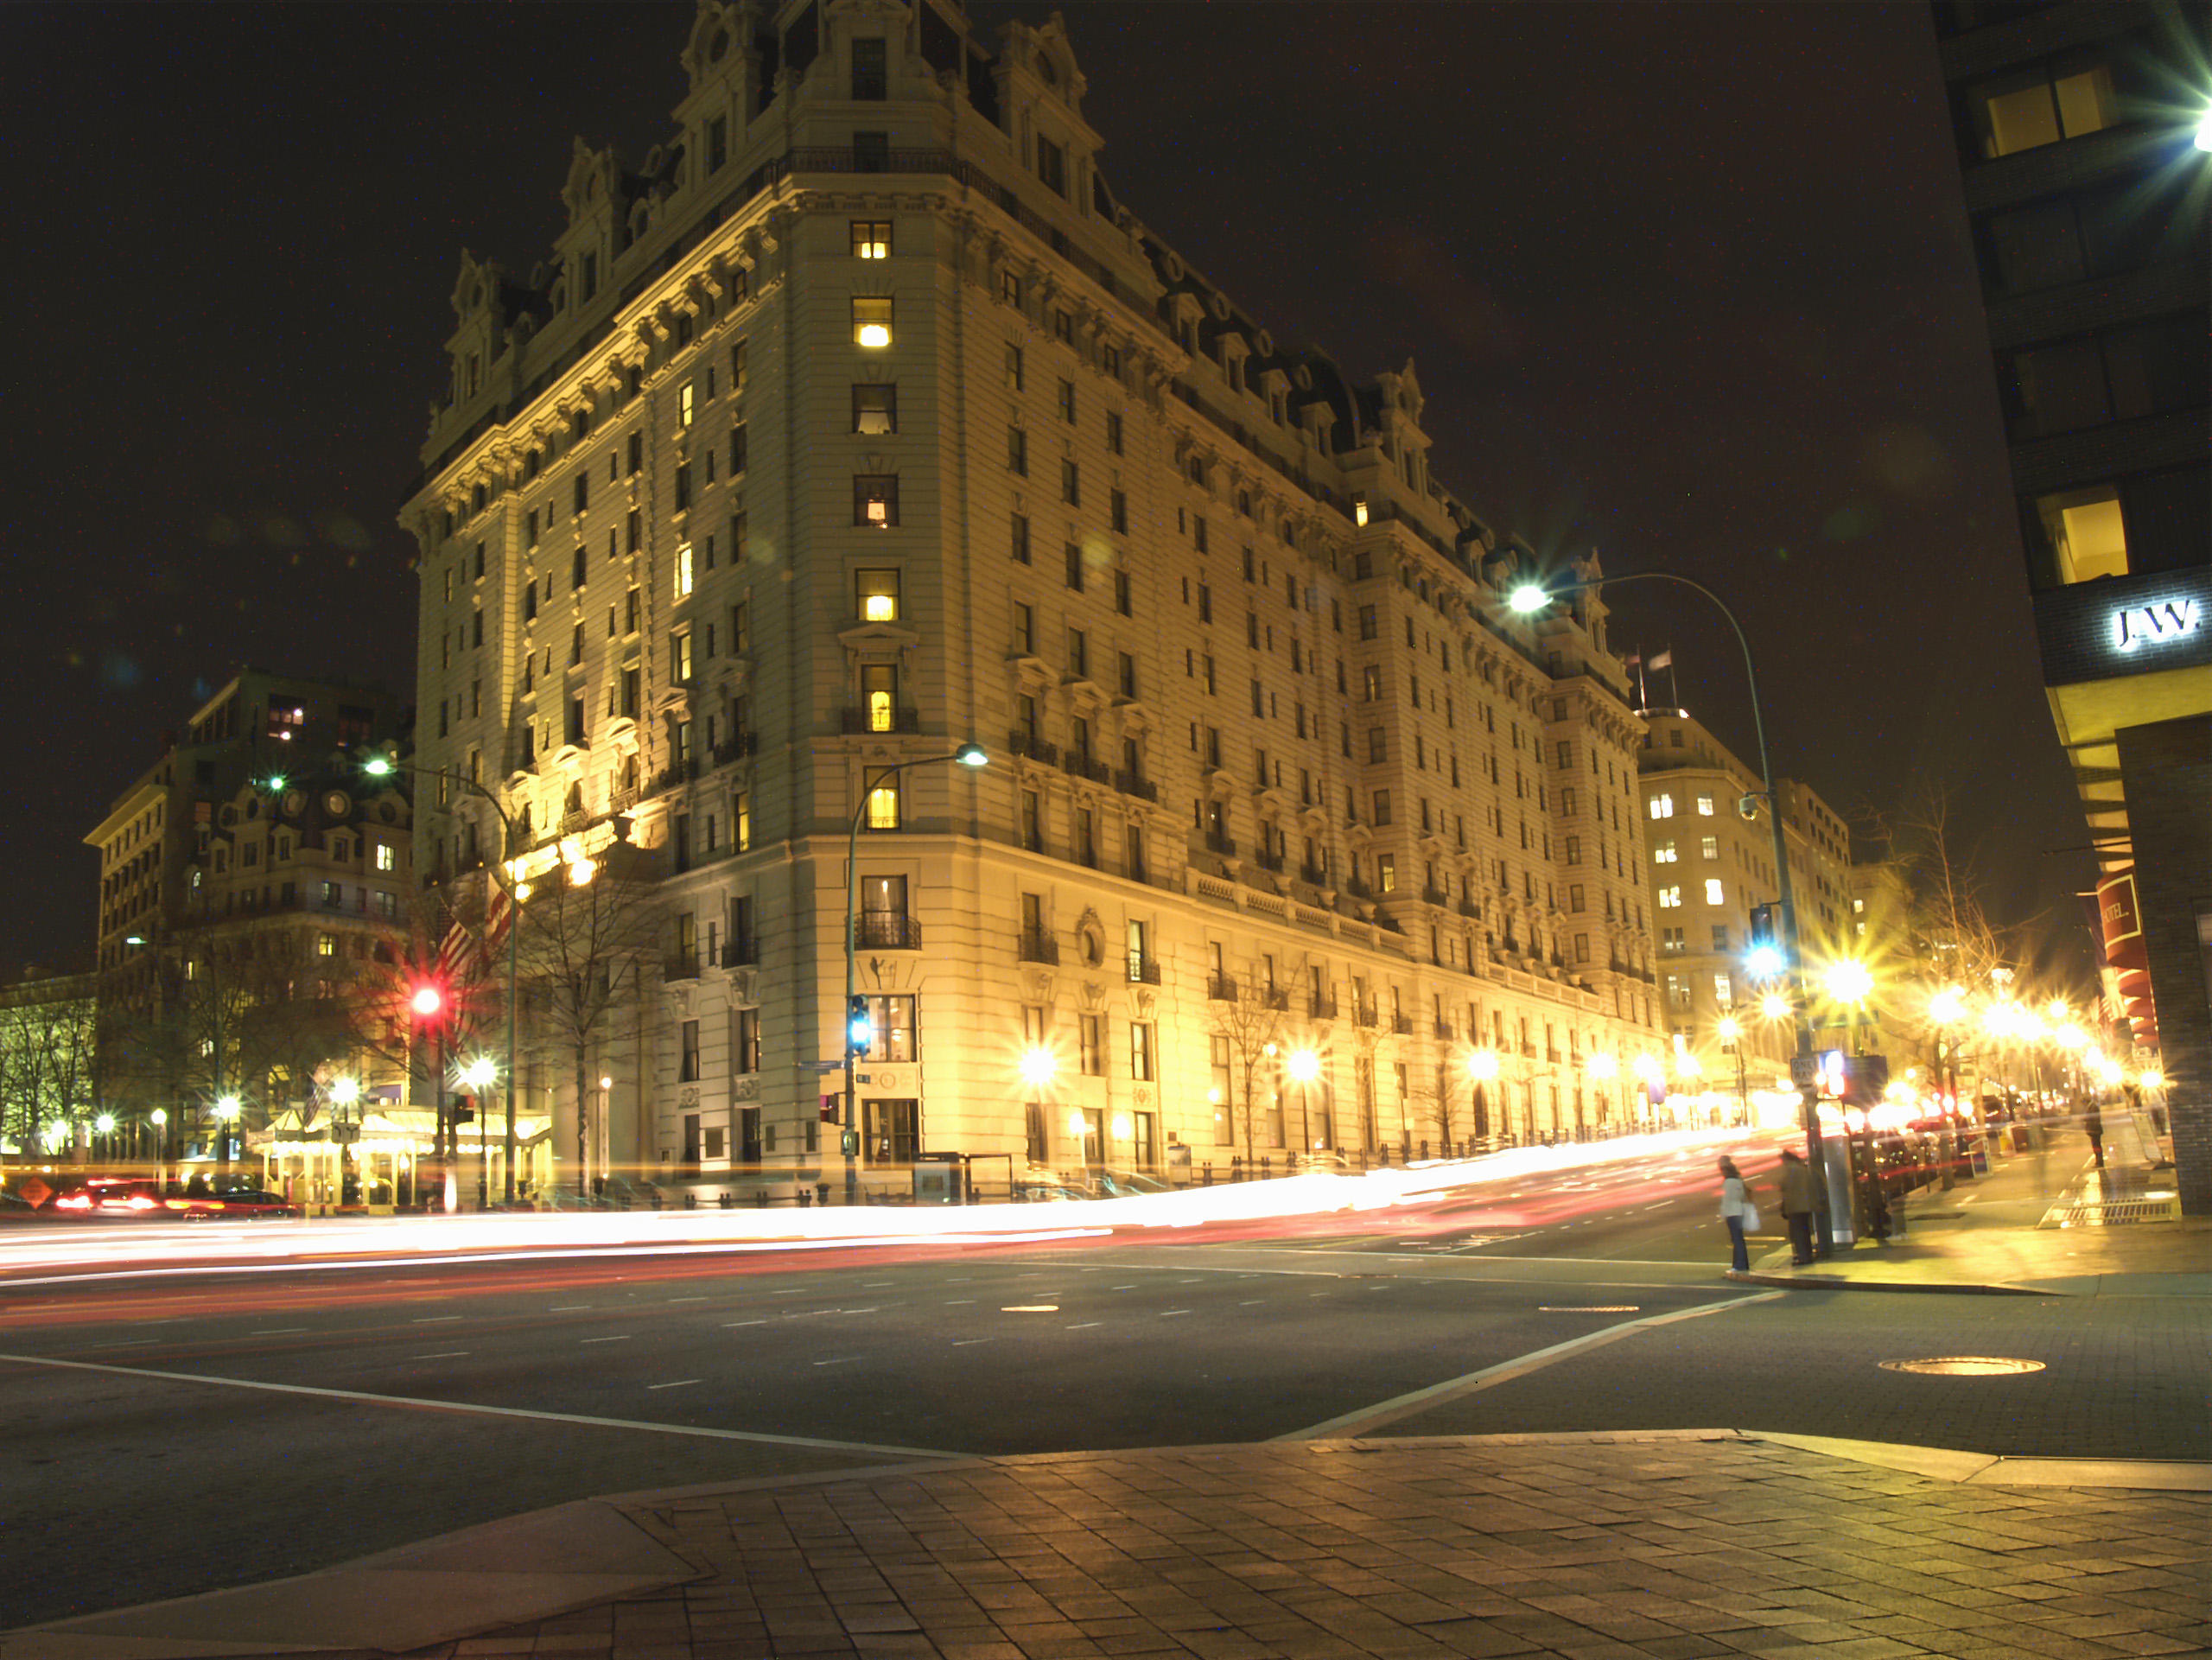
(1588, 1308)
(1965, 1365)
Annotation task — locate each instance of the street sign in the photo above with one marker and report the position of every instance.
(1804, 1071)
(827, 1066)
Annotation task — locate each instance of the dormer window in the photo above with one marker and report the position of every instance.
(871, 69)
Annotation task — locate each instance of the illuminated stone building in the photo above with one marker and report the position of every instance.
(2086, 158)
(253, 854)
(860, 420)
(1710, 867)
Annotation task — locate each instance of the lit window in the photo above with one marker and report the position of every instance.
(883, 808)
(1662, 806)
(2046, 111)
(879, 695)
(1670, 899)
(875, 500)
(871, 321)
(879, 596)
(1705, 806)
(325, 945)
(687, 404)
(875, 410)
(1386, 872)
(684, 570)
(1664, 853)
(1713, 894)
(871, 239)
(1724, 991)
(386, 855)
(1709, 847)
(2087, 532)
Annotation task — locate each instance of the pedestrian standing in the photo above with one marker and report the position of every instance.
(2093, 1122)
(1798, 1205)
(1735, 1210)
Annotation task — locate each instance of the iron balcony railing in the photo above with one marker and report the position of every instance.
(886, 931)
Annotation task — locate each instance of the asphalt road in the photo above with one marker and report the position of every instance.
(212, 1430)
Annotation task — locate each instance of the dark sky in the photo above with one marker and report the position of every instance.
(1689, 282)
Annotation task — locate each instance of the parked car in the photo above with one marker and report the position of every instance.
(110, 1196)
(242, 1204)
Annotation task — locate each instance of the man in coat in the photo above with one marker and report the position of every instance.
(1798, 1205)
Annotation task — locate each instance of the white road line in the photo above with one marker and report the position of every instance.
(622, 1337)
(729, 1324)
(436, 1320)
(680, 1382)
(686, 1300)
(570, 1308)
(1169, 1314)
(1252, 1302)
(442, 1354)
(860, 1310)
(1126, 1287)
(839, 1360)
(1084, 1326)
(876, 1285)
(1367, 1419)
(965, 1342)
(278, 1331)
(958, 1302)
(128, 1343)
(420, 1403)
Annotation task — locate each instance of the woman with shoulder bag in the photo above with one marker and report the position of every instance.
(1737, 1210)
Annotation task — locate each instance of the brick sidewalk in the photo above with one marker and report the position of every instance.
(1701, 1543)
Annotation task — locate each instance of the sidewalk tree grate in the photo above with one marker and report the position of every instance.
(2111, 1213)
(1965, 1365)
(1588, 1308)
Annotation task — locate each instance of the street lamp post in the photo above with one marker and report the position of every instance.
(1304, 1067)
(384, 766)
(1532, 597)
(858, 1031)
(1731, 1034)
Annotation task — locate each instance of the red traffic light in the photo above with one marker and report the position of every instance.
(427, 1000)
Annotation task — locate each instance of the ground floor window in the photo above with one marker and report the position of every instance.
(894, 1131)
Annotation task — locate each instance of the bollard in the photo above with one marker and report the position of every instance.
(822, 1193)
(1205, 1173)
(1267, 1167)
(1423, 1146)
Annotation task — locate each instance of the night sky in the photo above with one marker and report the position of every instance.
(1687, 282)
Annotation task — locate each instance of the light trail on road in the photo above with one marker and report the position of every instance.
(78, 1253)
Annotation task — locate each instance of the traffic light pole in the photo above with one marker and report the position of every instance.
(857, 1032)
(1792, 965)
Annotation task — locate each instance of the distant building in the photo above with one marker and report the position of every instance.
(1710, 869)
(2083, 153)
(860, 419)
(249, 881)
(48, 1080)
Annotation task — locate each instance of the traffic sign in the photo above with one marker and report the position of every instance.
(1804, 1071)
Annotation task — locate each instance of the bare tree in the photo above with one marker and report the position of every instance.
(590, 931)
(47, 1052)
(1252, 1021)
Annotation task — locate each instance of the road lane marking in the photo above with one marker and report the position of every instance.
(680, 1383)
(729, 1324)
(1169, 1314)
(1125, 1288)
(963, 1343)
(436, 1320)
(622, 1337)
(686, 1300)
(1367, 1419)
(958, 1302)
(1084, 1325)
(1252, 1302)
(422, 1403)
(128, 1343)
(839, 1360)
(279, 1331)
(570, 1308)
(442, 1354)
(876, 1285)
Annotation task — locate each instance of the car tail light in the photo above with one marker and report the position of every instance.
(177, 1204)
(73, 1202)
(140, 1202)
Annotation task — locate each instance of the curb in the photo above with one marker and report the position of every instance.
(1837, 1283)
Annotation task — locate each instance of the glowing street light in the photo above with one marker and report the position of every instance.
(104, 1123)
(1848, 981)
(480, 1072)
(1038, 1066)
(1603, 1064)
(1775, 1007)
(1948, 1006)
(1482, 1065)
(345, 1092)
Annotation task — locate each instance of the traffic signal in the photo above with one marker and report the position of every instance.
(463, 1110)
(1855, 1080)
(829, 1105)
(1763, 957)
(859, 1030)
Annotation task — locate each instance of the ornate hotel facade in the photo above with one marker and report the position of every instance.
(861, 421)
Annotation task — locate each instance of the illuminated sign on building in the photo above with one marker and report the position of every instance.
(2159, 623)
